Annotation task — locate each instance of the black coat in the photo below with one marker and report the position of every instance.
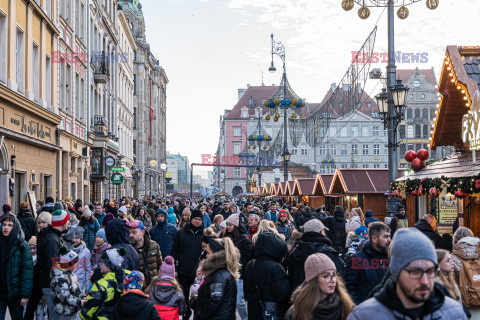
(28, 223)
(336, 230)
(267, 273)
(364, 271)
(245, 247)
(117, 235)
(186, 249)
(297, 218)
(439, 242)
(310, 243)
(135, 306)
(307, 216)
(49, 242)
(227, 214)
(217, 297)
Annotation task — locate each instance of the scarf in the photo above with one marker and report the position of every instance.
(251, 232)
(328, 309)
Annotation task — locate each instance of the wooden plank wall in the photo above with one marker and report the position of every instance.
(410, 209)
(377, 203)
(317, 201)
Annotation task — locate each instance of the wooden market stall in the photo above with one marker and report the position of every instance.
(273, 189)
(303, 189)
(321, 189)
(450, 188)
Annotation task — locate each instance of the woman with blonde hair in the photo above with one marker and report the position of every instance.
(266, 226)
(217, 221)
(446, 266)
(323, 294)
(355, 220)
(186, 213)
(218, 293)
(44, 219)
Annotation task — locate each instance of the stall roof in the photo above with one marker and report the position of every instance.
(457, 165)
(289, 189)
(360, 181)
(304, 187)
(281, 189)
(273, 189)
(322, 184)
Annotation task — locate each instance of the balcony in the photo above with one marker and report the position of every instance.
(100, 125)
(101, 72)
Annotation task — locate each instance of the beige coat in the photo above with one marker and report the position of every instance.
(465, 249)
(352, 224)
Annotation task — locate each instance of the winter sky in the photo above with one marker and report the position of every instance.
(210, 48)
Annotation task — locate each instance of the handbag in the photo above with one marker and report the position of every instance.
(269, 308)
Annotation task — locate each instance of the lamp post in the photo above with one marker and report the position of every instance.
(390, 113)
(286, 102)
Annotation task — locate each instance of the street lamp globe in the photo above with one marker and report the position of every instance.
(272, 68)
(286, 156)
(399, 94)
(382, 101)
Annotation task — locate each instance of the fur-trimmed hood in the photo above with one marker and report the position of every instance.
(216, 261)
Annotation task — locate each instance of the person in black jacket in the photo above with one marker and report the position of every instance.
(312, 241)
(28, 223)
(186, 250)
(266, 282)
(243, 244)
(428, 226)
(336, 229)
(297, 216)
(218, 293)
(134, 304)
(226, 211)
(118, 236)
(367, 268)
(48, 207)
(307, 216)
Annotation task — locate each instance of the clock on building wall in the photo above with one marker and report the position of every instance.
(416, 83)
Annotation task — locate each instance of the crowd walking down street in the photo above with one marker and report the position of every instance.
(308, 264)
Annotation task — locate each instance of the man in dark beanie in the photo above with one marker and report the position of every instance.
(410, 292)
(187, 248)
(399, 220)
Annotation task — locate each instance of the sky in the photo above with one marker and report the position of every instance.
(211, 48)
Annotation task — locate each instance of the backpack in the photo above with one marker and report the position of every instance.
(469, 283)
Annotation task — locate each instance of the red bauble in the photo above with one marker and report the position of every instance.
(410, 155)
(460, 194)
(416, 164)
(422, 154)
(415, 193)
(477, 184)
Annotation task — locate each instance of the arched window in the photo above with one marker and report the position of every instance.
(409, 113)
(418, 133)
(425, 131)
(410, 131)
(424, 113)
(417, 113)
(432, 113)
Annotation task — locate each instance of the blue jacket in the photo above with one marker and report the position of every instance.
(99, 217)
(206, 221)
(271, 216)
(171, 217)
(90, 232)
(164, 233)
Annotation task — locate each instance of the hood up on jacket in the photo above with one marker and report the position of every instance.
(339, 216)
(270, 245)
(311, 242)
(117, 232)
(368, 214)
(16, 231)
(163, 293)
(467, 248)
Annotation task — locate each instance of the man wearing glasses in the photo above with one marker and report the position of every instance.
(410, 293)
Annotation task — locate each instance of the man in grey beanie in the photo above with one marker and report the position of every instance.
(410, 292)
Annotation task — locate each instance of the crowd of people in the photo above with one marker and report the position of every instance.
(166, 258)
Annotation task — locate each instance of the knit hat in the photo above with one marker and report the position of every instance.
(233, 219)
(223, 225)
(368, 214)
(49, 199)
(161, 211)
(316, 264)
(196, 214)
(313, 225)
(7, 208)
(86, 212)
(101, 233)
(409, 244)
(68, 199)
(23, 205)
(167, 269)
(134, 281)
(32, 241)
(362, 231)
(113, 258)
(136, 224)
(59, 218)
(78, 231)
(108, 217)
(67, 258)
(283, 213)
(123, 210)
(58, 206)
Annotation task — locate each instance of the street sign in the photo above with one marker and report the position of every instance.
(117, 178)
(117, 169)
(109, 161)
(153, 163)
(163, 166)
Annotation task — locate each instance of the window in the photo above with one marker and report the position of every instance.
(432, 114)
(376, 166)
(401, 131)
(35, 71)
(333, 149)
(68, 90)
(322, 150)
(411, 95)
(409, 131)
(354, 131)
(385, 149)
(82, 101)
(244, 114)
(250, 102)
(294, 152)
(343, 131)
(365, 166)
(417, 113)
(343, 150)
(258, 112)
(134, 84)
(354, 166)
(376, 149)
(409, 113)
(236, 147)
(135, 150)
(237, 173)
(424, 113)
(3, 48)
(365, 131)
(344, 166)
(375, 131)
(77, 96)
(20, 57)
(365, 149)
(304, 152)
(386, 166)
(423, 96)
(354, 149)
(237, 131)
(369, 105)
(48, 8)
(48, 82)
(134, 118)
(425, 131)
(418, 132)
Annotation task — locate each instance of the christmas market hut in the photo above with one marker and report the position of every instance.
(450, 188)
(303, 189)
(273, 189)
(320, 195)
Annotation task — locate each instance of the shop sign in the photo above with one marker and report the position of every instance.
(471, 124)
(153, 163)
(31, 127)
(117, 178)
(117, 169)
(109, 161)
(447, 208)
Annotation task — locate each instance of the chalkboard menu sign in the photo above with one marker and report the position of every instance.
(447, 208)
